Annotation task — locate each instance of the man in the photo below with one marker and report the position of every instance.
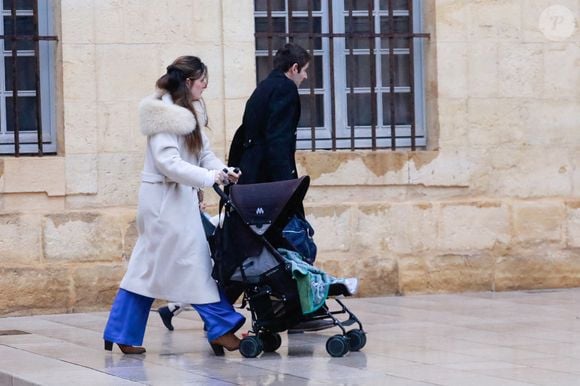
(264, 145)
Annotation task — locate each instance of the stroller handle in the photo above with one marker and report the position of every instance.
(219, 190)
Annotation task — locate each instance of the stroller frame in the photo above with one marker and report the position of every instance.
(273, 311)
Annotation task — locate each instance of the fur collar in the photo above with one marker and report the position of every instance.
(158, 114)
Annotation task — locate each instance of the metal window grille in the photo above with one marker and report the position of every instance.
(365, 85)
(23, 80)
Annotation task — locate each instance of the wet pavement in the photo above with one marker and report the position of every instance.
(508, 338)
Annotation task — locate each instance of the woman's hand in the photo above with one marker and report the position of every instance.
(234, 175)
(221, 178)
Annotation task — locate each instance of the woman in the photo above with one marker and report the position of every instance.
(171, 258)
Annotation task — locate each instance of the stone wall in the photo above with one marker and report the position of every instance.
(493, 204)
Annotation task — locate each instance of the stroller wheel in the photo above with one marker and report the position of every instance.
(250, 347)
(270, 341)
(337, 345)
(357, 339)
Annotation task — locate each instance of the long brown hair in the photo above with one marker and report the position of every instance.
(183, 68)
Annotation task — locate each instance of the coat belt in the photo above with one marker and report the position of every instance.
(154, 178)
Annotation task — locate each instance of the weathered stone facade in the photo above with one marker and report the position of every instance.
(493, 204)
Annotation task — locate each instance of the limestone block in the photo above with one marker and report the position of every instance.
(495, 121)
(400, 227)
(238, 17)
(327, 195)
(452, 20)
(233, 114)
(373, 228)
(538, 222)
(494, 20)
(452, 77)
(354, 168)
(446, 273)
(118, 127)
(552, 123)
(524, 172)
(119, 178)
(483, 69)
(537, 268)
(95, 285)
(377, 274)
(80, 127)
(216, 131)
(521, 69)
(239, 69)
(147, 22)
(81, 174)
(78, 72)
(132, 68)
(180, 14)
(207, 21)
(20, 240)
(77, 21)
(453, 125)
(27, 291)
(26, 174)
(82, 236)
(109, 21)
(438, 168)
(561, 75)
(332, 226)
(33, 202)
(473, 226)
(573, 224)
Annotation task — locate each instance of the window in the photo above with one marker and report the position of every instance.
(365, 85)
(27, 122)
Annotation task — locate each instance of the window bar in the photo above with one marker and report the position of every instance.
(392, 73)
(332, 91)
(350, 109)
(37, 79)
(312, 81)
(290, 35)
(372, 58)
(270, 32)
(15, 83)
(290, 29)
(412, 74)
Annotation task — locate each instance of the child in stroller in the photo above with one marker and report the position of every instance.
(280, 289)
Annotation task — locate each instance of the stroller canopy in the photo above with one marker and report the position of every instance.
(260, 205)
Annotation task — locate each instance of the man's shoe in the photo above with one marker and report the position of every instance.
(166, 316)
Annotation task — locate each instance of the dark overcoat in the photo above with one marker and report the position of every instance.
(264, 145)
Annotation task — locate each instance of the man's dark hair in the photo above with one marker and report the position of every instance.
(288, 55)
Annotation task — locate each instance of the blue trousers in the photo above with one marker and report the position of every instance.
(130, 311)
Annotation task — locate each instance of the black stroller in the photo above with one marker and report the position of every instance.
(246, 256)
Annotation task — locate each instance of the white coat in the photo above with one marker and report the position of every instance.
(171, 259)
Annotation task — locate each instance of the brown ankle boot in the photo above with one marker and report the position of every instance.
(125, 349)
(229, 341)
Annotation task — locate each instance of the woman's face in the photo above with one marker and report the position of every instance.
(197, 87)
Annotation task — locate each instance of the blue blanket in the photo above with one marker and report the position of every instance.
(312, 283)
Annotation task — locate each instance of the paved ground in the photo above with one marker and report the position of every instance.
(510, 338)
